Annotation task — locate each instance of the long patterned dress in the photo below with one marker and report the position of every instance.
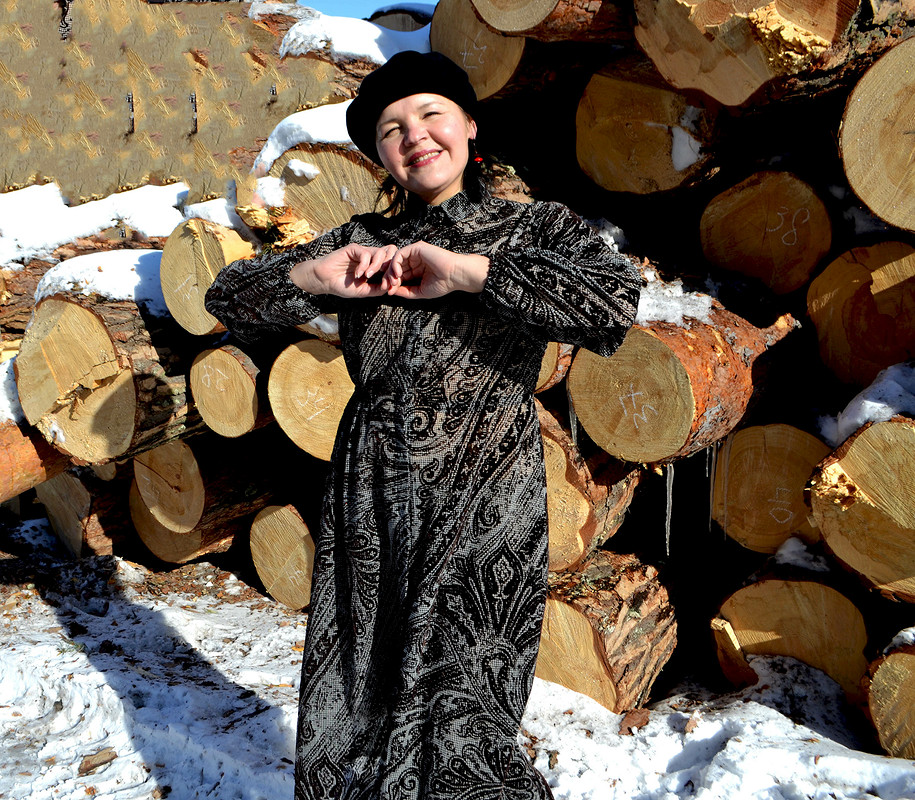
(430, 570)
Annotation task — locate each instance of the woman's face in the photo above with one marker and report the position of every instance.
(422, 142)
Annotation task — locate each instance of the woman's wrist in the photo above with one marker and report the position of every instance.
(472, 273)
(303, 275)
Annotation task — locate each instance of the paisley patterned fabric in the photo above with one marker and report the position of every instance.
(430, 570)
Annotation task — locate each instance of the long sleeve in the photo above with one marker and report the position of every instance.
(255, 297)
(562, 282)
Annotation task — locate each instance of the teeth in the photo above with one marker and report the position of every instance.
(422, 159)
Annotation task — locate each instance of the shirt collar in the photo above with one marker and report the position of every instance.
(456, 208)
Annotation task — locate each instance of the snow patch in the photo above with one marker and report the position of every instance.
(10, 408)
(323, 124)
(794, 552)
(302, 169)
(272, 191)
(892, 392)
(612, 235)
(36, 220)
(115, 275)
(344, 37)
(669, 302)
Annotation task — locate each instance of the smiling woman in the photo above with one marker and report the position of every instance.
(431, 560)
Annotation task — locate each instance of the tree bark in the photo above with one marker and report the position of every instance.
(555, 365)
(26, 460)
(608, 631)
(670, 390)
(283, 553)
(772, 226)
(89, 515)
(586, 502)
(760, 476)
(861, 500)
(864, 311)
(730, 54)
(558, 20)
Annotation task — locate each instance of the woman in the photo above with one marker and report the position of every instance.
(430, 570)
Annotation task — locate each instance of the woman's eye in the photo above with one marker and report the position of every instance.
(388, 132)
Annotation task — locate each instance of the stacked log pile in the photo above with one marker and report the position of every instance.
(669, 119)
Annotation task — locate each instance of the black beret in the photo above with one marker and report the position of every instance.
(404, 74)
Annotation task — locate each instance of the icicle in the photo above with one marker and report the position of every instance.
(711, 465)
(670, 504)
(573, 418)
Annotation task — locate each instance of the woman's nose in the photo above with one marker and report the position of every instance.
(416, 132)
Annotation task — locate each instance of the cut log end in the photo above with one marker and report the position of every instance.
(310, 417)
(71, 384)
(862, 502)
(224, 386)
(802, 619)
(891, 701)
(283, 553)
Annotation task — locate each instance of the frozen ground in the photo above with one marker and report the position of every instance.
(120, 682)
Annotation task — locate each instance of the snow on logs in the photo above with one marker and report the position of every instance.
(760, 476)
(728, 52)
(608, 630)
(863, 309)
(771, 226)
(876, 137)
(804, 619)
(634, 133)
(671, 389)
(862, 501)
(323, 182)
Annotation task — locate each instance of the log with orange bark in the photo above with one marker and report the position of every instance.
(671, 389)
(558, 20)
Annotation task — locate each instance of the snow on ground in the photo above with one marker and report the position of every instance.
(116, 684)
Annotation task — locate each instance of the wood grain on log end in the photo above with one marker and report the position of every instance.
(771, 226)
(489, 58)
(802, 619)
(283, 553)
(760, 476)
(310, 415)
(862, 501)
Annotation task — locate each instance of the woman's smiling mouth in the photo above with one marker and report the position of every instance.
(423, 158)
